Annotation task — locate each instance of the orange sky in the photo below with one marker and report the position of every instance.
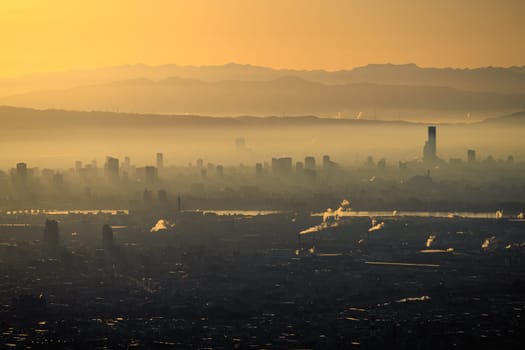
(45, 35)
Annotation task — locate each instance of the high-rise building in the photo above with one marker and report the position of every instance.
(111, 168)
(471, 155)
(160, 161)
(430, 149)
(328, 164)
(309, 163)
(21, 173)
(126, 165)
(258, 169)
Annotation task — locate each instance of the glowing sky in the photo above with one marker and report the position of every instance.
(44, 35)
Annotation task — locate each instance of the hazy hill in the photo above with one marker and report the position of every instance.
(496, 79)
(287, 95)
(28, 118)
(515, 119)
(48, 138)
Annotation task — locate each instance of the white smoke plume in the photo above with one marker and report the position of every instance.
(329, 213)
(343, 207)
(318, 228)
(161, 225)
(410, 299)
(487, 243)
(430, 240)
(376, 226)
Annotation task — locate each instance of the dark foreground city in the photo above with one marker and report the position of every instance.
(205, 280)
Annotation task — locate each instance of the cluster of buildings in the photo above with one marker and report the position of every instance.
(430, 150)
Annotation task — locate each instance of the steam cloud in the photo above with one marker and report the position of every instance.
(430, 240)
(487, 243)
(161, 225)
(329, 213)
(376, 226)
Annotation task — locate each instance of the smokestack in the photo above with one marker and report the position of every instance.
(179, 204)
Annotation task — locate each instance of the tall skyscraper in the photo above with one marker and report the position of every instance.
(111, 168)
(429, 151)
(309, 163)
(327, 163)
(21, 173)
(126, 165)
(471, 155)
(160, 161)
(258, 169)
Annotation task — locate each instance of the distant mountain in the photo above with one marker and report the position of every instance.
(492, 79)
(287, 95)
(517, 118)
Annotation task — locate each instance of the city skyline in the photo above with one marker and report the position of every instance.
(262, 174)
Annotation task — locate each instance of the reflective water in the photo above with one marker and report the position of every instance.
(237, 212)
(240, 212)
(67, 212)
(425, 214)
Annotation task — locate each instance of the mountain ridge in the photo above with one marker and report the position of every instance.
(496, 79)
(284, 95)
(25, 116)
